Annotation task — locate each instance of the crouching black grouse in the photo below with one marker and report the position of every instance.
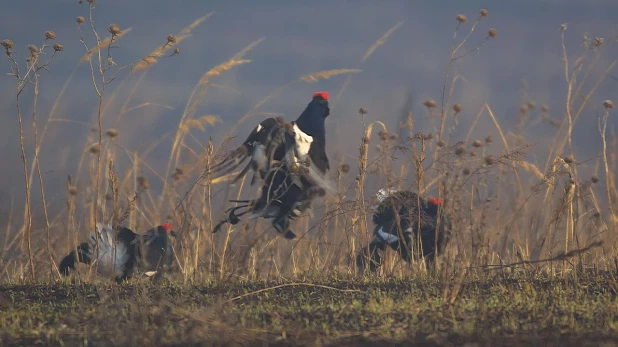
(291, 162)
(406, 235)
(118, 257)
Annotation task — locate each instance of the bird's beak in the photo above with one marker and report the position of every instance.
(173, 233)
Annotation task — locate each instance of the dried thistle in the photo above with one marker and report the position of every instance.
(598, 41)
(49, 35)
(569, 159)
(460, 150)
(440, 143)
(395, 137)
(362, 111)
(80, 20)
(430, 103)
(490, 160)
(563, 27)
(477, 143)
(483, 12)
(461, 18)
(176, 51)
(58, 47)
(143, 182)
(531, 105)
(608, 104)
(7, 44)
(594, 179)
(171, 38)
(33, 49)
(523, 109)
(94, 148)
(345, 168)
(457, 108)
(488, 139)
(544, 108)
(92, 1)
(492, 33)
(112, 133)
(365, 139)
(114, 29)
(383, 135)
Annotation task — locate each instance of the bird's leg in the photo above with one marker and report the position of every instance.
(282, 225)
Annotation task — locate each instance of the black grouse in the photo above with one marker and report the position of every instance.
(291, 162)
(118, 257)
(396, 205)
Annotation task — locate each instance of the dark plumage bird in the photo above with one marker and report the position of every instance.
(404, 236)
(290, 161)
(118, 257)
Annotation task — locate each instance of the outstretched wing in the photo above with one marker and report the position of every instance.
(266, 143)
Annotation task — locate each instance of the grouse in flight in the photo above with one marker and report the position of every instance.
(290, 161)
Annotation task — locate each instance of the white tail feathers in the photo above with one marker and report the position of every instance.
(112, 255)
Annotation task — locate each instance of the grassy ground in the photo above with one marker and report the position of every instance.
(520, 310)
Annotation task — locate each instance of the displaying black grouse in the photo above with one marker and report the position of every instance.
(151, 253)
(403, 237)
(291, 162)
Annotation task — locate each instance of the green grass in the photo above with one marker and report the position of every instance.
(513, 310)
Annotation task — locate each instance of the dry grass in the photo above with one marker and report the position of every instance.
(545, 221)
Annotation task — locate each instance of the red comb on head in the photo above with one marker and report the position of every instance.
(167, 226)
(435, 201)
(324, 95)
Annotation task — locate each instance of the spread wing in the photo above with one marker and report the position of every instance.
(265, 144)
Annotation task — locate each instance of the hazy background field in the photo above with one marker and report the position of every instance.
(522, 64)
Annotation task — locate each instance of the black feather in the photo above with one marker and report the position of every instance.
(401, 224)
(287, 186)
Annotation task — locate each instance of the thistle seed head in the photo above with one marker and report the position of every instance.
(7, 44)
(483, 12)
(490, 160)
(460, 150)
(114, 30)
(112, 133)
(58, 47)
(492, 33)
(80, 20)
(608, 104)
(49, 35)
(457, 108)
(33, 49)
(94, 148)
(430, 103)
(461, 18)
